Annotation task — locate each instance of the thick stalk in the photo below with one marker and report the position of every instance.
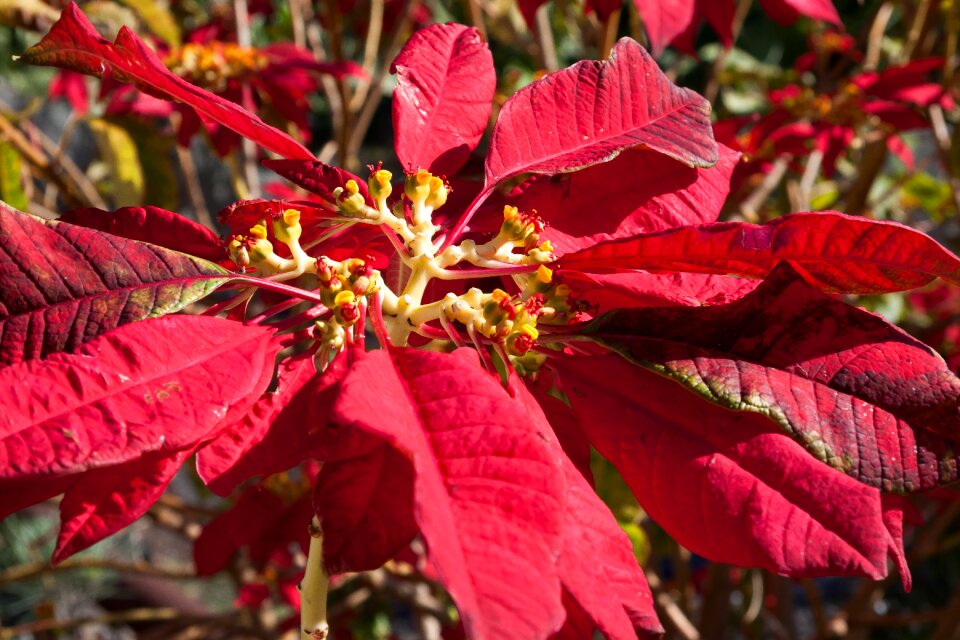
(313, 590)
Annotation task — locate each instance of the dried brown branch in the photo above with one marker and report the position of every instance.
(669, 611)
(73, 195)
(365, 116)
(944, 149)
(119, 617)
(750, 207)
(739, 16)
(33, 569)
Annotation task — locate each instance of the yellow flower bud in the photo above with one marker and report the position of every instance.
(417, 185)
(544, 274)
(344, 297)
(380, 187)
(286, 227)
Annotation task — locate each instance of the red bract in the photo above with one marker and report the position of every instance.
(803, 119)
(64, 285)
(74, 44)
(445, 85)
(277, 79)
(679, 20)
(604, 280)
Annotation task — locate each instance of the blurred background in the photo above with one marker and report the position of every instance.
(849, 105)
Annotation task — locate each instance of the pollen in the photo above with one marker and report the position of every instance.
(352, 188)
(291, 216)
(258, 231)
(424, 178)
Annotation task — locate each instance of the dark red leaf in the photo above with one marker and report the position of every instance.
(837, 252)
(108, 499)
(631, 289)
(857, 392)
(158, 385)
(73, 43)
(727, 485)
(316, 177)
(528, 9)
(16, 495)
(489, 493)
(243, 214)
(638, 192)
(563, 423)
(255, 512)
(63, 285)
(154, 225)
(444, 94)
(365, 506)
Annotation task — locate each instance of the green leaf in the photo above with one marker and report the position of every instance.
(124, 183)
(157, 19)
(11, 184)
(154, 151)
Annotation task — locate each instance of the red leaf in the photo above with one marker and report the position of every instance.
(528, 8)
(316, 177)
(365, 506)
(563, 423)
(63, 285)
(592, 111)
(154, 225)
(444, 94)
(858, 393)
(73, 43)
(72, 87)
(836, 252)
(632, 289)
(597, 567)
(255, 512)
(232, 458)
(787, 11)
(243, 214)
(727, 485)
(108, 499)
(588, 114)
(284, 427)
(488, 494)
(160, 384)
(907, 83)
(638, 192)
(664, 20)
(16, 495)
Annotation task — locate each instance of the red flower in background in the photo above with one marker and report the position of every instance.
(803, 119)
(275, 81)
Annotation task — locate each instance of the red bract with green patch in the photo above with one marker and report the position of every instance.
(754, 415)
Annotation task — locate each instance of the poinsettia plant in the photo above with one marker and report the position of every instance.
(437, 356)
